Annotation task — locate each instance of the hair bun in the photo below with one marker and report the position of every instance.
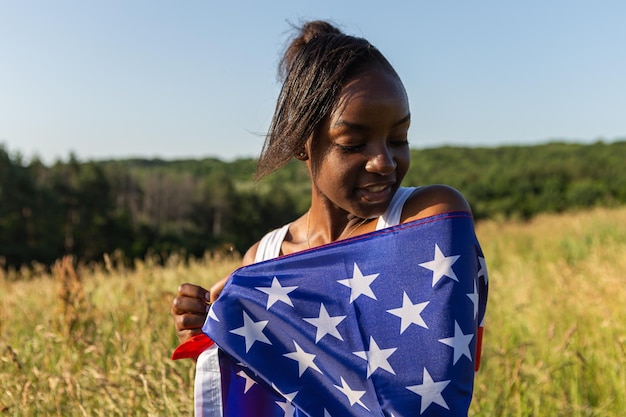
(316, 28)
(306, 33)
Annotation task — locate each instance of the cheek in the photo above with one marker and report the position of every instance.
(337, 172)
(349, 167)
(403, 160)
(336, 176)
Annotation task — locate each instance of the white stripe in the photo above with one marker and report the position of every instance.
(208, 384)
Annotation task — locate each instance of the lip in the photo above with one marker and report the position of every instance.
(376, 193)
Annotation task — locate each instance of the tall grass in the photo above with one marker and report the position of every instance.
(91, 341)
(555, 342)
(97, 341)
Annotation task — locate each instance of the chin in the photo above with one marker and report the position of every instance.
(373, 211)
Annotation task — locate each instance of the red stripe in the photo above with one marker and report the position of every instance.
(479, 346)
(193, 347)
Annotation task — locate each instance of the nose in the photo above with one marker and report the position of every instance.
(381, 162)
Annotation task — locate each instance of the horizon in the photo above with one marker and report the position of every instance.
(66, 159)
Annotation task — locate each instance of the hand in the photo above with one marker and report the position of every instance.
(189, 310)
(216, 289)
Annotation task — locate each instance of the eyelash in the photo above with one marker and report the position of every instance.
(358, 148)
(351, 149)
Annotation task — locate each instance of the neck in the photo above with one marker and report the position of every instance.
(322, 227)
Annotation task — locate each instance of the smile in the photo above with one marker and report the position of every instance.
(376, 188)
(377, 193)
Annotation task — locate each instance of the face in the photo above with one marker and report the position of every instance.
(360, 152)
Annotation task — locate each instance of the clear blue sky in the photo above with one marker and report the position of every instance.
(177, 79)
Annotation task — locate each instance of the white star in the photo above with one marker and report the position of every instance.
(409, 313)
(325, 324)
(277, 293)
(474, 297)
(249, 381)
(359, 283)
(326, 413)
(460, 343)
(252, 331)
(212, 314)
(288, 409)
(304, 359)
(353, 396)
(289, 396)
(483, 269)
(430, 391)
(376, 358)
(441, 265)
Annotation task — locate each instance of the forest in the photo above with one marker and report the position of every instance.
(133, 208)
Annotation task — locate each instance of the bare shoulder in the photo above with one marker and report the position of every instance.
(433, 199)
(250, 254)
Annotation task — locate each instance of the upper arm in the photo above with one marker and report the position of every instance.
(250, 254)
(431, 200)
(217, 288)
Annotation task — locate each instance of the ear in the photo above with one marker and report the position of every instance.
(302, 155)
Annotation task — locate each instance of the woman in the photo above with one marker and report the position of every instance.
(344, 112)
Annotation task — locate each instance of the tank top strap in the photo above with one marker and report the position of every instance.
(269, 246)
(393, 215)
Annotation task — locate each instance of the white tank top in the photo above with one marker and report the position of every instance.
(269, 246)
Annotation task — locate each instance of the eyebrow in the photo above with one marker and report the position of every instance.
(362, 127)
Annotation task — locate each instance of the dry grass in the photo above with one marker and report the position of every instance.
(556, 335)
(97, 341)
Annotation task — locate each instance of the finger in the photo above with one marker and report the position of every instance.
(216, 289)
(194, 291)
(189, 321)
(185, 305)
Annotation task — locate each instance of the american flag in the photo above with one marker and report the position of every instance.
(385, 324)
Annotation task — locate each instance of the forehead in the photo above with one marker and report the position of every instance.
(371, 91)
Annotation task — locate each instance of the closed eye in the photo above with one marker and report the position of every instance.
(351, 148)
(403, 142)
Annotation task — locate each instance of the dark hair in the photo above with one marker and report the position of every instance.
(316, 65)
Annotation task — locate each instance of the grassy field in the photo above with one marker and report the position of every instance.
(97, 341)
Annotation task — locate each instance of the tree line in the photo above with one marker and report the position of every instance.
(136, 207)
